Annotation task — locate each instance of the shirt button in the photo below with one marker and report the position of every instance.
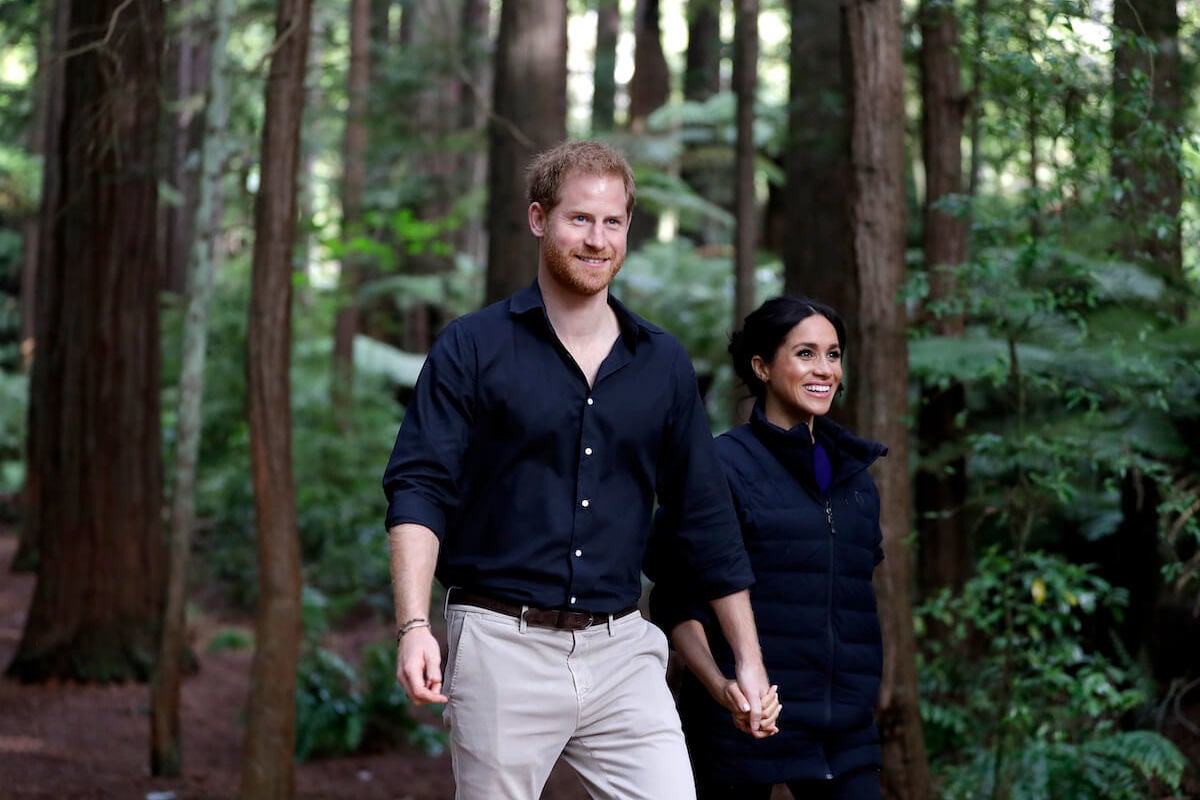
(586, 503)
(578, 553)
(587, 451)
(590, 401)
(572, 601)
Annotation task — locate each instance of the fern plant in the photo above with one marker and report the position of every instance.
(1014, 704)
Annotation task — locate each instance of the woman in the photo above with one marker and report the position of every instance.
(809, 514)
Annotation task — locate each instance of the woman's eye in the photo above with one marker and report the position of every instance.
(807, 355)
(834, 355)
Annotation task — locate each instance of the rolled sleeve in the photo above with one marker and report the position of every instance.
(423, 475)
(697, 525)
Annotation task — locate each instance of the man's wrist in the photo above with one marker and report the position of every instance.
(409, 626)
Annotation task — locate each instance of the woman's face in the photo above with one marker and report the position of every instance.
(804, 374)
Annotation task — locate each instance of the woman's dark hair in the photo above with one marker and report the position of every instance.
(766, 328)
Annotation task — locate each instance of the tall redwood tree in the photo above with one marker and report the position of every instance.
(268, 769)
(95, 505)
(880, 393)
(530, 115)
(941, 483)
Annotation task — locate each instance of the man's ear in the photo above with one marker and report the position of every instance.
(537, 220)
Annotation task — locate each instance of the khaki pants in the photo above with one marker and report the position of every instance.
(521, 696)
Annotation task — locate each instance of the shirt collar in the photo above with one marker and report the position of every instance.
(633, 327)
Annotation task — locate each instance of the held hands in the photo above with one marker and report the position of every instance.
(419, 666)
(734, 701)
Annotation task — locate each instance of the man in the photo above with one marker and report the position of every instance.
(524, 475)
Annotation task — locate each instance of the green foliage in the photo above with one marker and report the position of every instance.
(689, 292)
(340, 710)
(1015, 704)
(337, 464)
(228, 639)
(14, 391)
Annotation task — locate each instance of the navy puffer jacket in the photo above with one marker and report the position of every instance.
(813, 554)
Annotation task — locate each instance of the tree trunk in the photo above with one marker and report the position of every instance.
(705, 164)
(604, 92)
(35, 300)
(268, 764)
(309, 146)
(649, 90)
(472, 123)
(1146, 164)
(944, 553)
(814, 232)
(435, 41)
(530, 116)
(187, 133)
(1147, 151)
(745, 85)
(95, 435)
(166, 747)
(702, 76)
(877, 228)
(46, 83)
(354, 155)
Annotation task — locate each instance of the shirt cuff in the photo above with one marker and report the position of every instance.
(415, 509)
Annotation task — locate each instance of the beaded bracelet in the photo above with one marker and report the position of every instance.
(411, 625)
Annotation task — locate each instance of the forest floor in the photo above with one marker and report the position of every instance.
(74, 742)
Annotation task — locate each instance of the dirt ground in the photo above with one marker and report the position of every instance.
(73, 742)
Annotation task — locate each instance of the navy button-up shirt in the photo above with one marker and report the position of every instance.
(539, 487)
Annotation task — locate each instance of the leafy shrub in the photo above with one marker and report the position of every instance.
(1014, 705)
(341, 711)
(228, 639)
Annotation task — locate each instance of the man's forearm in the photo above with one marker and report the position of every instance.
(414, 550)
(737, 623)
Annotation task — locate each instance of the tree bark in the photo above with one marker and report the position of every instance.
(650, 86)
(604, 82)
(354, 155)
(745, 83)
(472, 123)
(649, 90)
(705, 164)
(46, 86)
(95, 438)
(1147, 115)
(1147, 151)
(530, 102)
(193, 53)
(35, 288)
(877, 227)
(944, 553)
(166, 746)
(814, 231)
(702, 75)
(268, 765)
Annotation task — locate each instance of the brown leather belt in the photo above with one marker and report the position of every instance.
(557, 618)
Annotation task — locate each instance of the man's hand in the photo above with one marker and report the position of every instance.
(735, 702)
(419, 667)
(753, 683)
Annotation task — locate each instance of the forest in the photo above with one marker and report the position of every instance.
(231, 229)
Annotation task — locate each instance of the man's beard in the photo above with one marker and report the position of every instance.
(575, 277)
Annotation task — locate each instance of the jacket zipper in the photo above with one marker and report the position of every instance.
(829, 615)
